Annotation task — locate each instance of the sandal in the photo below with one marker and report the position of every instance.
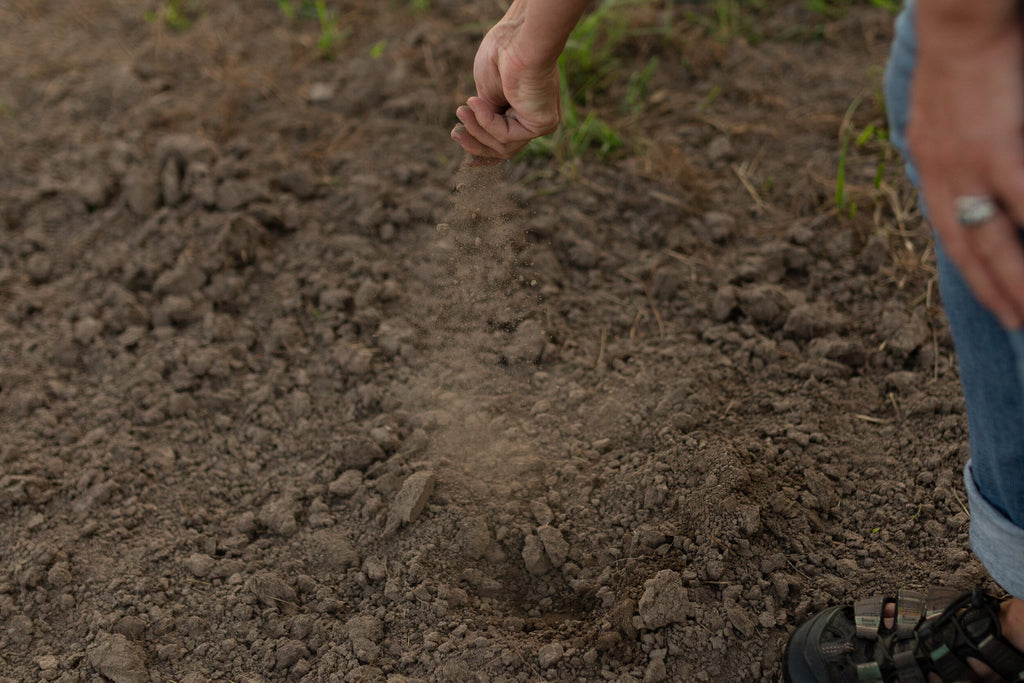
(933, 633)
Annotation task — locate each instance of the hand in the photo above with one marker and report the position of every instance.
(516, 100)
(966, 133)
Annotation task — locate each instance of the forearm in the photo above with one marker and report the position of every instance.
(544, 26)
(956, 26)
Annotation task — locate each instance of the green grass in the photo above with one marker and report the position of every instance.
(738, 18)
(594, 67)
(332, 35)
(869, 140)
(175, 14)
(589, 66)
(730, 19)
(837, 8)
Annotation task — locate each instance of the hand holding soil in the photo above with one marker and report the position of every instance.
(516, 73)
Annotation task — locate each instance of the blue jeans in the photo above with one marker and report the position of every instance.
(991, 371)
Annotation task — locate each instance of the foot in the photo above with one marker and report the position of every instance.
(1011, 621)
(939, 636)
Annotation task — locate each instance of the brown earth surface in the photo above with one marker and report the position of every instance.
(287, 393)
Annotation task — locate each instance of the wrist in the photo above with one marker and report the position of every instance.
(544, 27)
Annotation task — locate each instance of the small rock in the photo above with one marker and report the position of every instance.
(183, 279)
(358, 452)
(904, 332)
(764, 304)
(93, 187)
(199, 183)
(272, 591)
(332, 549)
(808, 321)
(186, 149)
(279, 516)
(170, 182)
(234, 194)
(411, 500)
(621, 617)
(721, 226)
(664, 284)
(142, 190)
(474, 537)
(199, 564)
(740, 620)
(39, 267)
(664, 600)
(346, 484)
(655, 671)
(541, 512)
(117, 658)
(289, 652)
(724, 303)
(365, 632)
(719, 149)
(375, 569)
(550, 654)
(556, 546)
(299, 180)
(534, 556)
(86, 330)
(47, 662)
(321, 93)
(528, 342)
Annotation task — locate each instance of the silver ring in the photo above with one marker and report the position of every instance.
(974, 210)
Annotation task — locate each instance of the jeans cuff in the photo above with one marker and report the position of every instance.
(998, 542)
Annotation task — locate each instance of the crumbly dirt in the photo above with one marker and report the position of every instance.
(289, 393)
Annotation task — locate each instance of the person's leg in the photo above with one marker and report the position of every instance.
(991, 363)
(990, 360)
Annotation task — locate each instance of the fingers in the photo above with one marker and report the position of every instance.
(991, 260)
(486, 131)
(997, 242)
(469, 118)
(999, 247)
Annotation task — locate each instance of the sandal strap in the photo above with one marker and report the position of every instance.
(869, 672)
(909, 612)
(969, 627)
(907, 668)
(980, 624)
(867, 617)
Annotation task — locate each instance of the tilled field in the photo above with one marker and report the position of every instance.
(287, 393)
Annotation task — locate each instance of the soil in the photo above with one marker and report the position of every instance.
(288, 392)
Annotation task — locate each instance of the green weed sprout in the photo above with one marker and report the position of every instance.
(587, 66)
(837, 8)
(174, 15)
(288, 9)
(331, 33)
(636, 90)
(875, 138)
